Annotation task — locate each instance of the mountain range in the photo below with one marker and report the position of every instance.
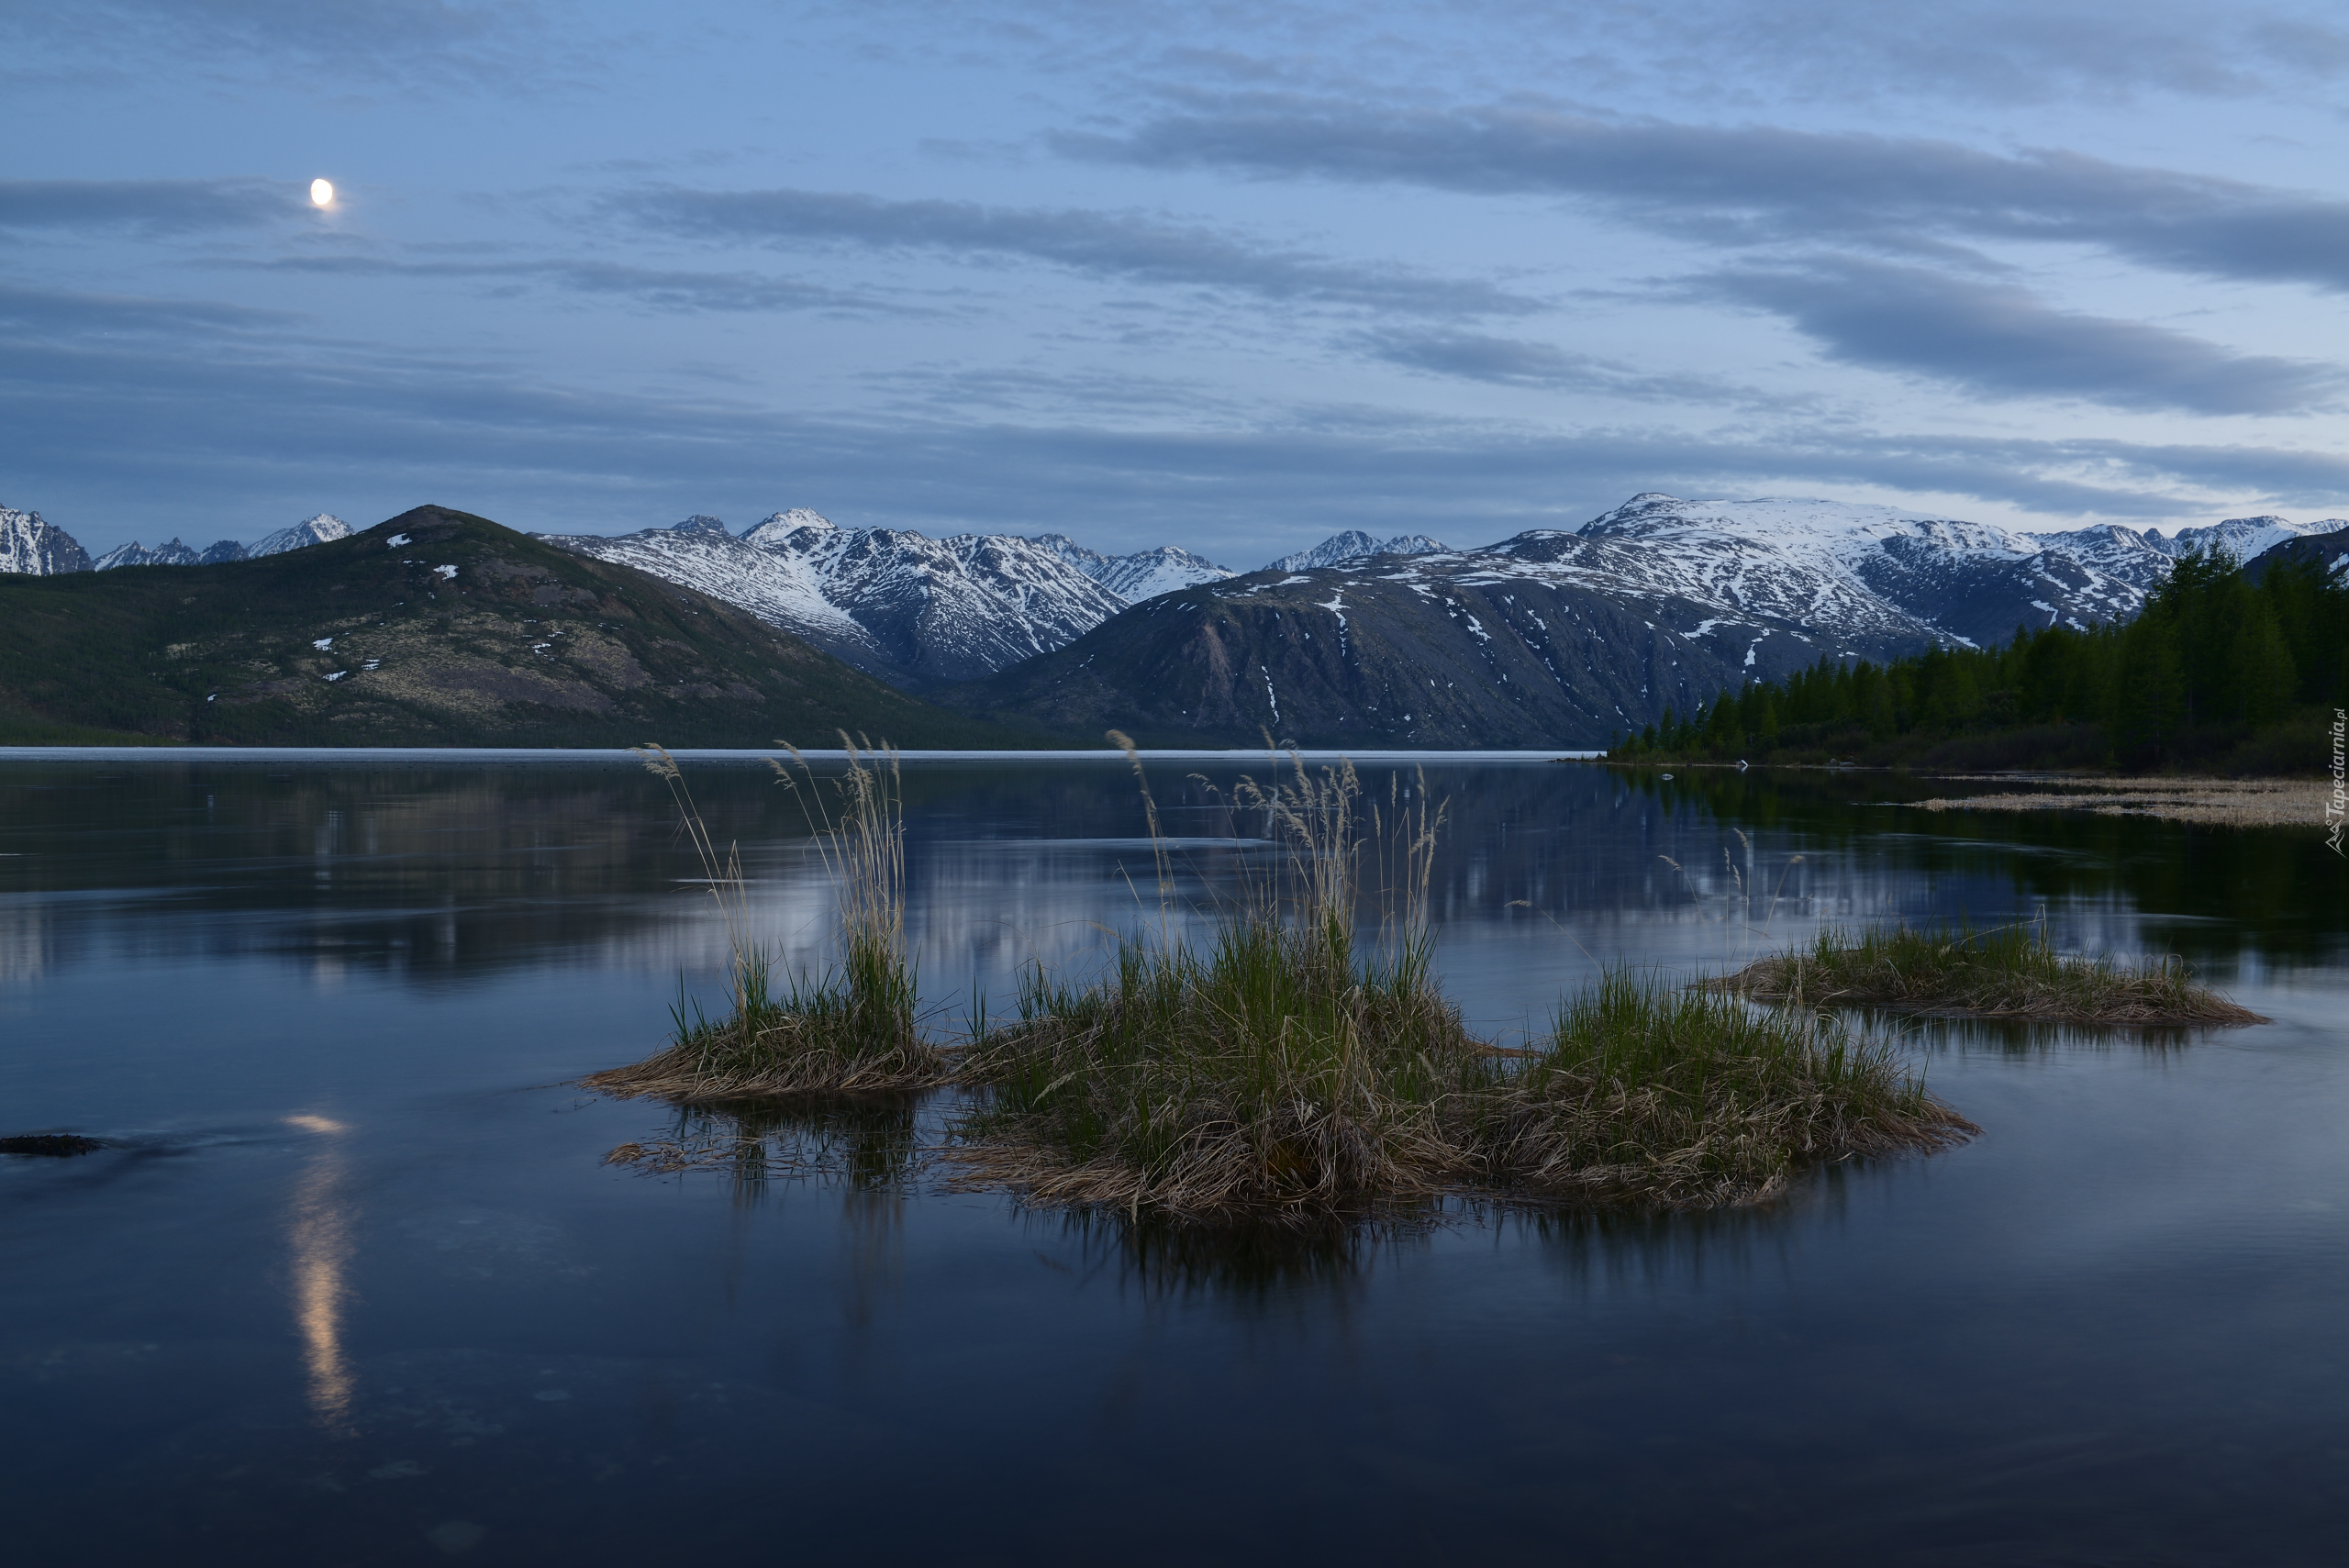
(436, 627)
(1556, 638)
(32, 546)
(916, 611)
(1549, 637)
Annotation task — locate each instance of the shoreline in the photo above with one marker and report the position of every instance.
(2204, 802)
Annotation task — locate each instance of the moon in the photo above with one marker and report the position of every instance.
(321, 192)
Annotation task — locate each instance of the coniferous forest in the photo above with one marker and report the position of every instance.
(2221, 672)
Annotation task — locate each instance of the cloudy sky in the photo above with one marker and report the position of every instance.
(1230, 276)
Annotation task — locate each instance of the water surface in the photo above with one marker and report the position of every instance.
(352, 1285)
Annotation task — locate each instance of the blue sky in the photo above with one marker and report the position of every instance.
(1229, 276)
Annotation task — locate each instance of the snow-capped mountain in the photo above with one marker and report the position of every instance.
(2144, 558)
(1856, 570)
(32, 546)
(914, 610)
(1144, 574)
(171, 552)
(1562, 636)
(1353, 545)
(317, 528)
(310, 530)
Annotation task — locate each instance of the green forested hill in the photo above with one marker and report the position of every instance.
(2235, 667)
(437, 627)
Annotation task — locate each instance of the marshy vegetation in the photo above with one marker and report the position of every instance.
(1293, 1069)
(2006, 972)
(852, 1029)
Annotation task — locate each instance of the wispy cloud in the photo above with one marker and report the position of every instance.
(1123, 246)
(1766, 184)
(1517, 361)
(2000, 341)
(145, 207)
(659, 288)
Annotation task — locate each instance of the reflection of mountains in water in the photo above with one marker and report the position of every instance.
(451, 868)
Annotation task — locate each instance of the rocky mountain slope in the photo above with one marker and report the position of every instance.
(33, 546)
(916, 611)
(2328, 550)
(1565, 637)
(435, 627)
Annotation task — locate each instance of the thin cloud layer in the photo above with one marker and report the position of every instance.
(1759, 185)
(1121, 246)
(1995, 339)
(152, 207)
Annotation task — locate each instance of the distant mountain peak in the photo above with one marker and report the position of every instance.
(1144, 574)
(171, 552)
(31, 546)
(320, 527)
(699, 523)
(776, 527)
(1354, 545)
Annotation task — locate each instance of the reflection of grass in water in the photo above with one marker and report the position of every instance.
(2019, 1038)
(2005, 971)
(852, 1029)
(1249, 1263)
(868, 1141)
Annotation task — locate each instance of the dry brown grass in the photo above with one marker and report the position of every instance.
(2010, 971)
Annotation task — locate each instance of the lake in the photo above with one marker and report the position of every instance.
(352, 1283)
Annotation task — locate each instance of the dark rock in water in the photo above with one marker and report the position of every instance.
(58, 1144)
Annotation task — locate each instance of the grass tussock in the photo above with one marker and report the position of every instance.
(852, 1029)
(2009, 971)
(1281, 1075)
(1646, 1093)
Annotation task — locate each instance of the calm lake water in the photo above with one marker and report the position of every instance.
(352, 1283)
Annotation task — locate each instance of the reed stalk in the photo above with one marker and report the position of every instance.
(851, 1029)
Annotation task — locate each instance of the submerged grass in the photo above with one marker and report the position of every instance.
(850, 1030)
(2007, 971)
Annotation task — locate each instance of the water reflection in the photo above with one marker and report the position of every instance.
(864, 1143)
(1249, 1266)
(439, 872)
(318, 1238)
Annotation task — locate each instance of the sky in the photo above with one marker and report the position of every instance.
(1230, 276)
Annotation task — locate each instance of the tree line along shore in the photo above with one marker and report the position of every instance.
(2224, 673)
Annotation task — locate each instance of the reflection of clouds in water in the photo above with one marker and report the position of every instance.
(318, 1236)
